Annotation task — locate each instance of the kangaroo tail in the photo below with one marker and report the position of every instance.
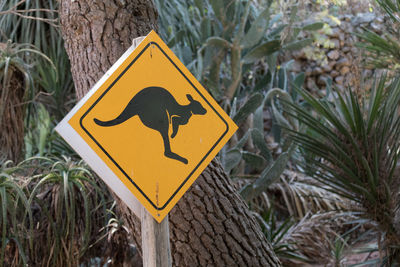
(107, 123)
(129, 111)
(125, 115)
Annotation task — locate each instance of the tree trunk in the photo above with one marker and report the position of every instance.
(211, 224)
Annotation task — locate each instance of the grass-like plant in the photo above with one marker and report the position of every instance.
(29, 40)
(14, 212)
(384, 49)
(53, 212)
(277, 233)
(72, 210)
(355, 143)
(15, 82)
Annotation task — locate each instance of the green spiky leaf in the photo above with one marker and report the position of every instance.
(231, 159)
(261, 51)
(249, 107)
(257, 30)
(313, 26)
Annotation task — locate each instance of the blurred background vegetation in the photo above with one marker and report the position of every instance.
(315, 156)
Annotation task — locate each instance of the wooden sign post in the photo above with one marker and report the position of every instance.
(148, 128)
(156, 249)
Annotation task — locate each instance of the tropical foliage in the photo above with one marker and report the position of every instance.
(355, 145)
(236, 56)
(384, 49)
(318, 174)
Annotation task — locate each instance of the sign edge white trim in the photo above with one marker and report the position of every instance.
(87, 153)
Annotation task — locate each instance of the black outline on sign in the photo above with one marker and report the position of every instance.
(116, 164)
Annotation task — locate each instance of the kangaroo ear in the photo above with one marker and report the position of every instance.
(189, 97)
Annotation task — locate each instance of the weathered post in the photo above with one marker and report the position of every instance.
(156, 251)
(155, 241)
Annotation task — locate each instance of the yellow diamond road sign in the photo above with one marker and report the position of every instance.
(148, 128)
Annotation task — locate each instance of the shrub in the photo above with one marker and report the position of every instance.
(355, 145)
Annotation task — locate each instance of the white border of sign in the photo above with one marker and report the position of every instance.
(87, 153)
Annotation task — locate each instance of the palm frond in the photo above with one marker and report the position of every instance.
(316, 234)
(355, 146)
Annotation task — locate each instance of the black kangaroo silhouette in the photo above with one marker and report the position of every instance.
(157, 109)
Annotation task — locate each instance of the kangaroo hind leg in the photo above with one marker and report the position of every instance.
(167, 149)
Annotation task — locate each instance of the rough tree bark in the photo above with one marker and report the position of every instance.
(211, 225)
